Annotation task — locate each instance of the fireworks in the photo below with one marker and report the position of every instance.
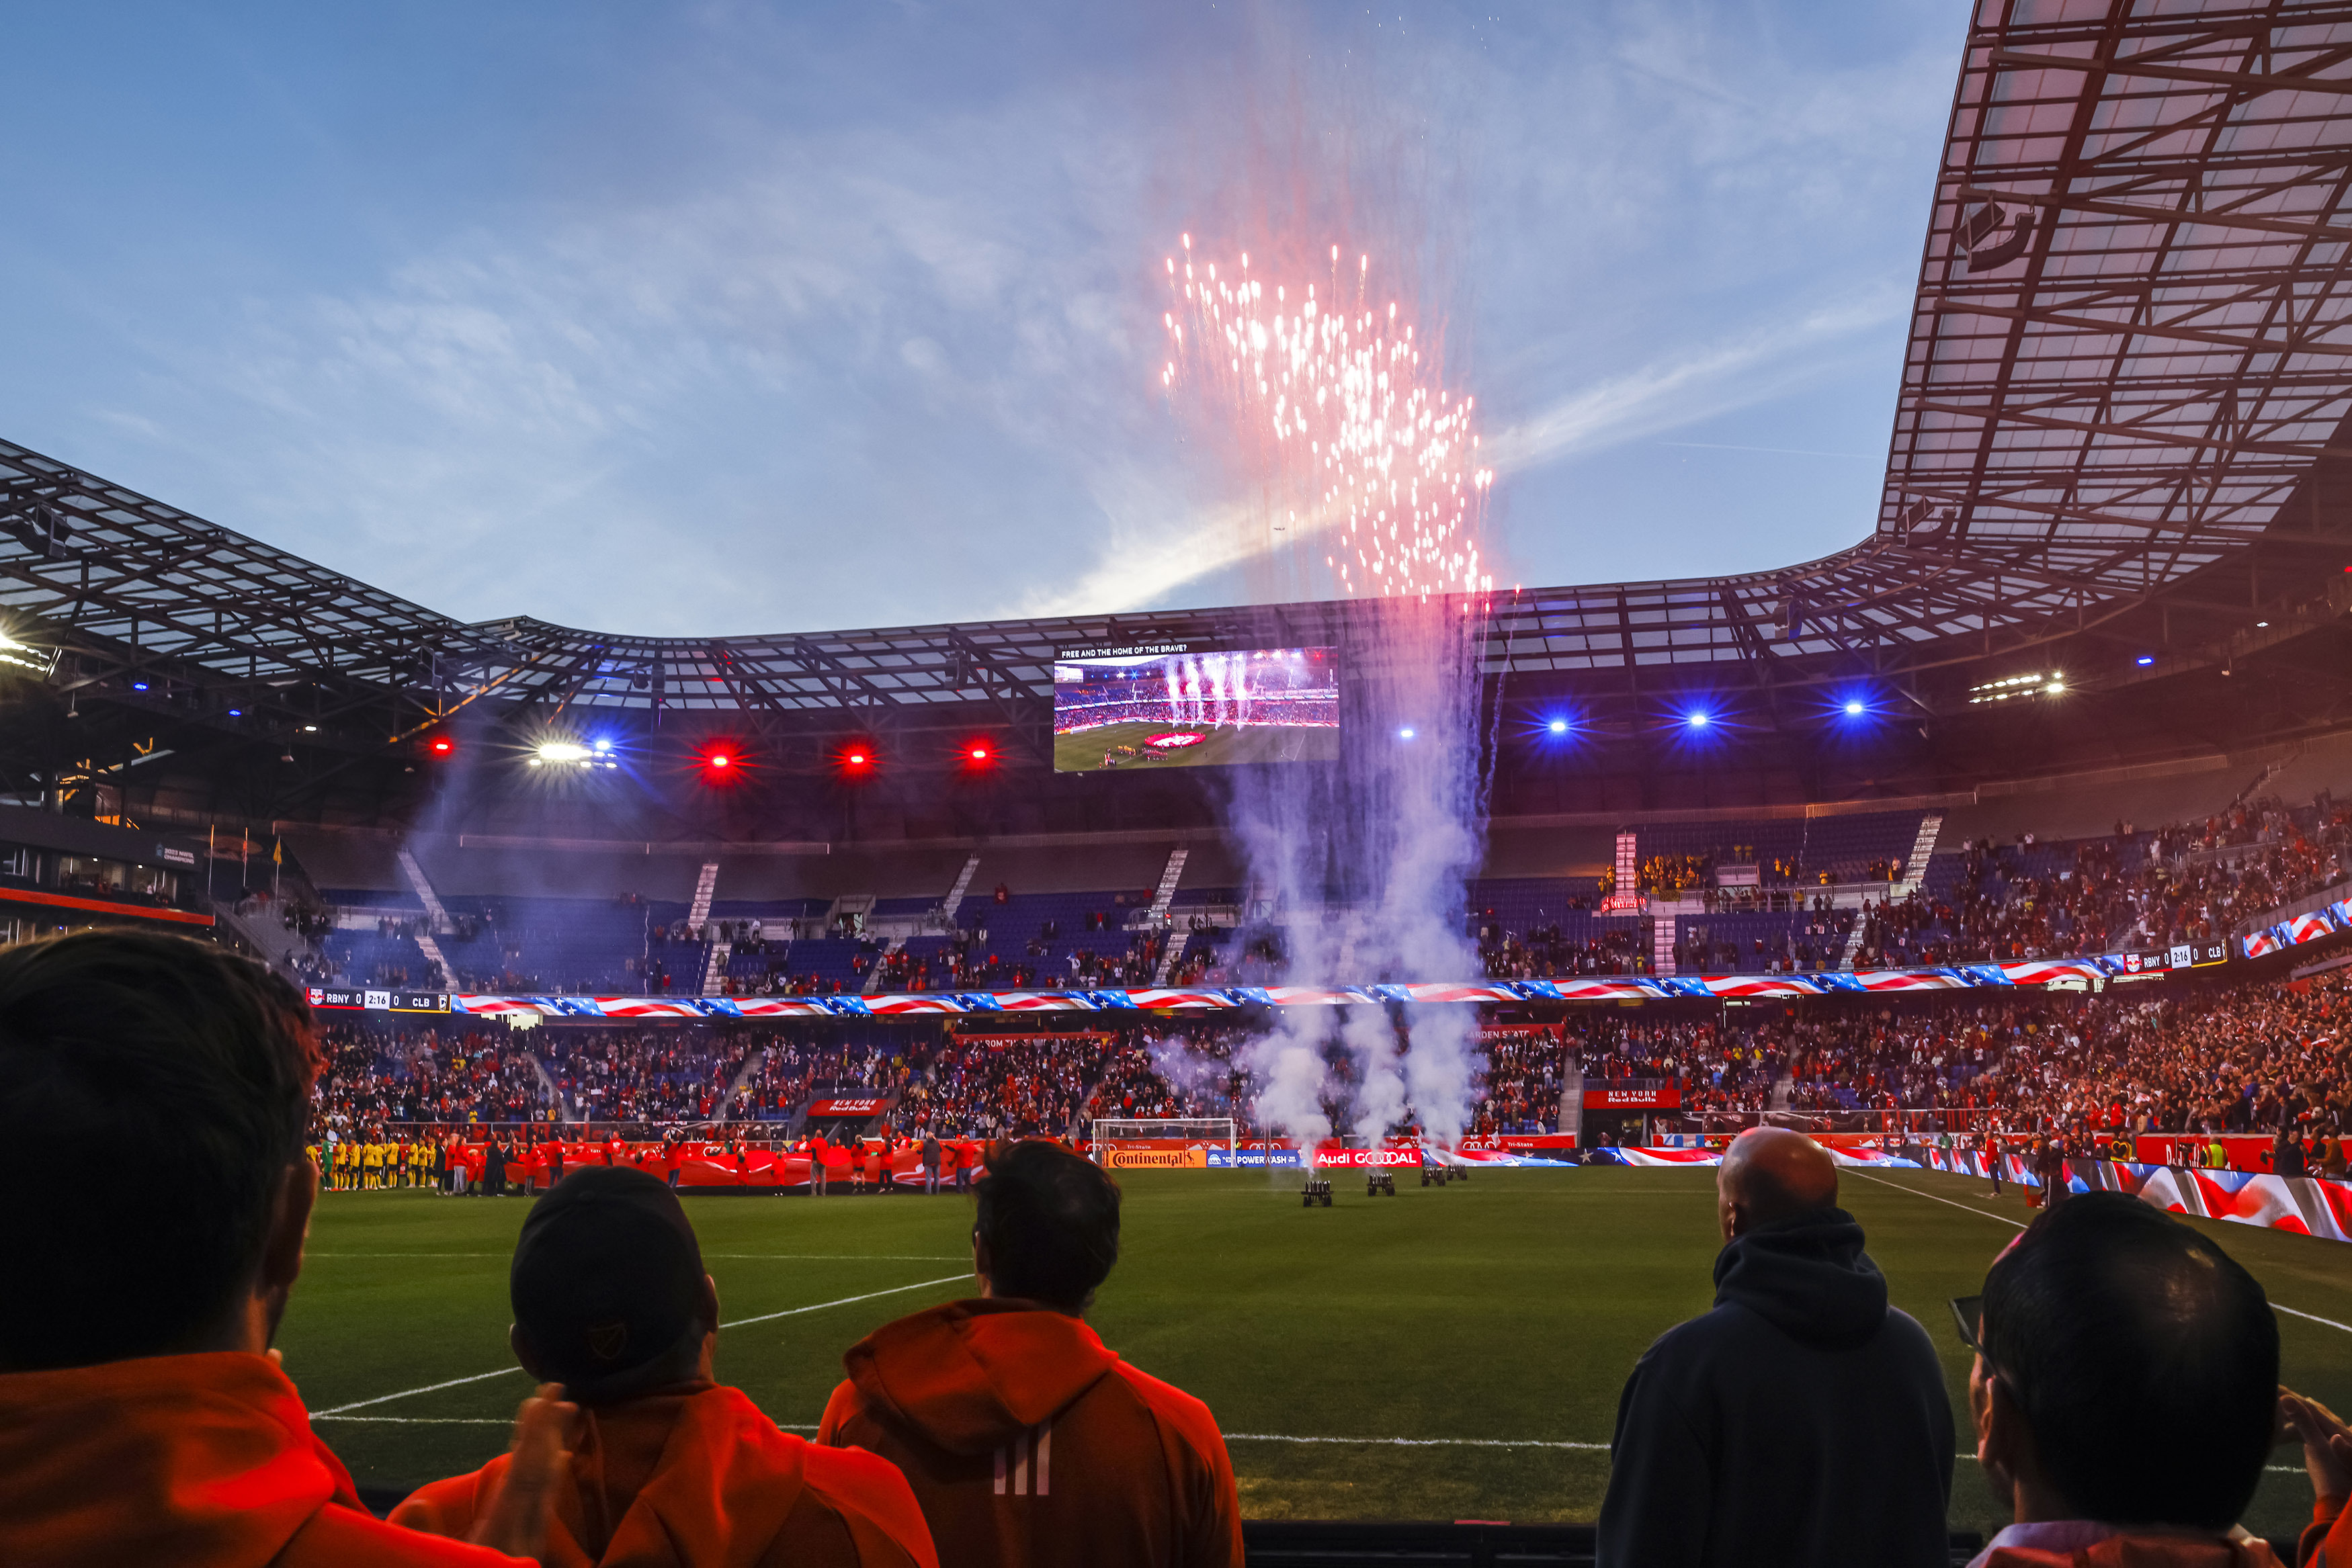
(1342, 416)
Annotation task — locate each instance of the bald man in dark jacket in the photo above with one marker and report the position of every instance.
(1803, 1420)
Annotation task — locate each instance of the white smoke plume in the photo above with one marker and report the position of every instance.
(1362, 868)
(1288, 1073)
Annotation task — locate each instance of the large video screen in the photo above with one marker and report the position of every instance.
(1176, 706)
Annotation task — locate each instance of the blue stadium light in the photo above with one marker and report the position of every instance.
(2145, 660)
(138, 685)
(603, 746)
(1558, 727)
(236, 713)
(1855, 707)
(1405, 734)
(1697, 718)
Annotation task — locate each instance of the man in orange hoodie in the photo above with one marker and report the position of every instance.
(1028, 1443)
(143, 1418)
(668, 1467)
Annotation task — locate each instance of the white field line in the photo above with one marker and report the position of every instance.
(739, 1257)
(739, 1323)
(1416, 1442)
(1229, 1436)
(1931, 1197)
(1971, 1208)
(2311, 1317)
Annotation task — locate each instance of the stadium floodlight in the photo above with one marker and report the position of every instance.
(601, 746)
(566, 751)
(2057, 685)
(1558, 727)
(1406, 733)
(1855, 708)
(1697, 718)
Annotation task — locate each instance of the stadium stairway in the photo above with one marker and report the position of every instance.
(706, 887)
(954, 900)
(873, 985)
(547, 1083)
(436, 917)
(269, 939)
(1171, 953)
(714, 966)
(1923, 849)
(743, 1076)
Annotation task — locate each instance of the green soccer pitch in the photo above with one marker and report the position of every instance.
(1451, 1353)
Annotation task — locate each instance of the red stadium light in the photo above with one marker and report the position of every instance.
(978, 754)
(721, 762)
(443, 745)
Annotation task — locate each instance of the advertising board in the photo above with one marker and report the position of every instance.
(1124, 1159)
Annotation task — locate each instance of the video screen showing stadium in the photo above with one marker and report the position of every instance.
(1176, 706)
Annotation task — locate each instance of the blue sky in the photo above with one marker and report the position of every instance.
(728, 317)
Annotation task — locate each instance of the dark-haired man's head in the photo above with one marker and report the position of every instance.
(153, 1092)
(609, 1294)
(1048, 1231)
(1770, 1173)
(2130, 1372)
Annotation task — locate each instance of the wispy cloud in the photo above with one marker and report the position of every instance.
(1688, 388)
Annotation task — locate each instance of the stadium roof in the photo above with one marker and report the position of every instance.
(2129, 371)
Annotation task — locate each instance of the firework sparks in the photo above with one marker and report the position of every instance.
(1336, 403)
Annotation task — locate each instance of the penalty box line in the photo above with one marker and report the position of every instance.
(1988, 1214)
(1230, 1437)
(739, 1323)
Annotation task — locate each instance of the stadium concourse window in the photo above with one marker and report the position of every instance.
(95, 878)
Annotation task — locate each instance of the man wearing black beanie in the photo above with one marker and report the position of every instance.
(611, 1300)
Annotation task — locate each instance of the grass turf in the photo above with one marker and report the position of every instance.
(1506, 1309)
(1081, 751)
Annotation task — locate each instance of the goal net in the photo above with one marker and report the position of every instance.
(1177, 1131)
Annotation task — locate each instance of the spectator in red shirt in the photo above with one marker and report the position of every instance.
(611, 1299)
(142, 1416)
(1028, 1442)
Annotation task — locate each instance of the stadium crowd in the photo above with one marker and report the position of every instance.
(2187, 882)
(2248, 1057)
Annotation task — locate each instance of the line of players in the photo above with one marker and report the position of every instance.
(453, 1163)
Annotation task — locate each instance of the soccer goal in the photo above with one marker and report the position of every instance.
(1164, 1133)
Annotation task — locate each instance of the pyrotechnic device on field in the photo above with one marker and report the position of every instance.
(1380, 1183)
(1317, 1191)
